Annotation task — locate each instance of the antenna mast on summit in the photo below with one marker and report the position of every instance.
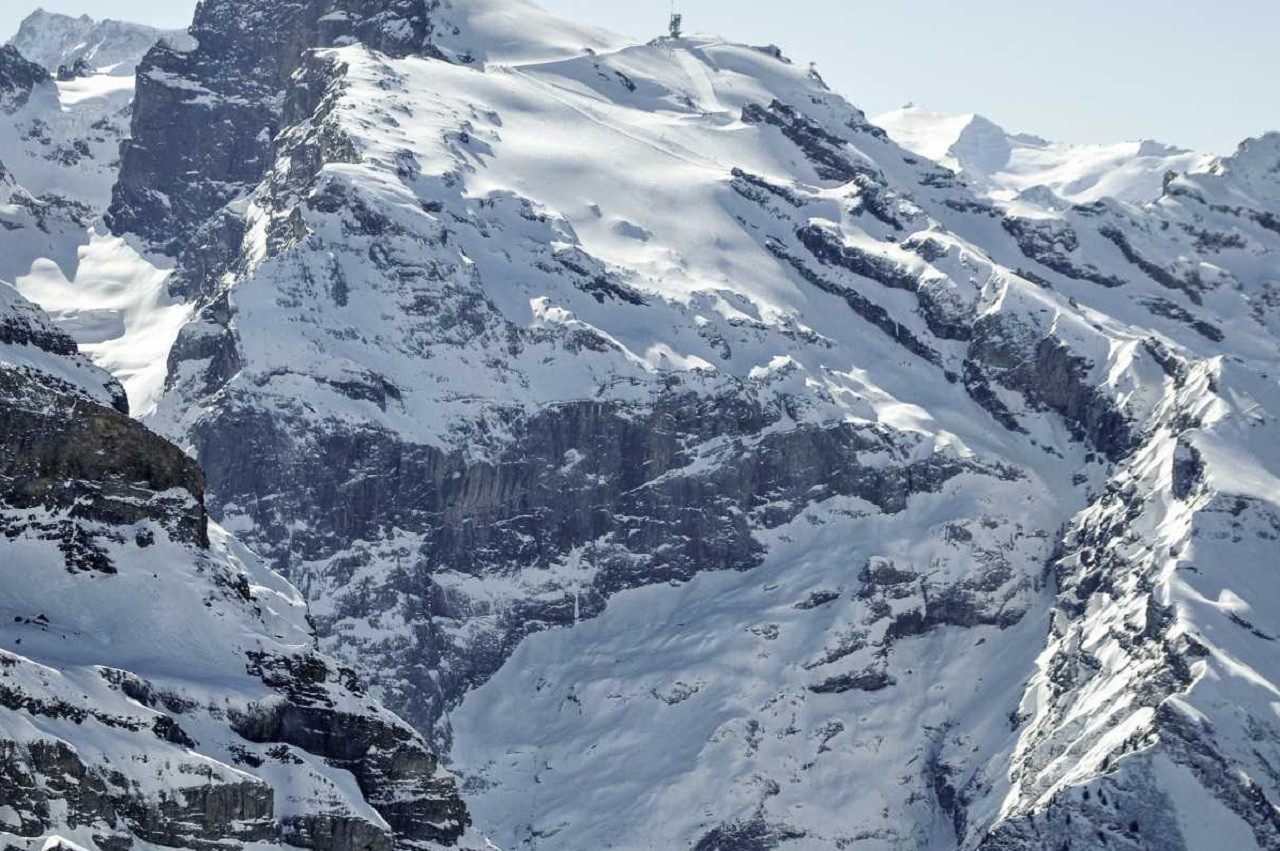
(673, 27)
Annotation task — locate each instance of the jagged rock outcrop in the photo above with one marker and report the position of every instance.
(18, 78)
(239, 70)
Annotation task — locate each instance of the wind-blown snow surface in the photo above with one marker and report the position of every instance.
(1008, 165)
(707, 470)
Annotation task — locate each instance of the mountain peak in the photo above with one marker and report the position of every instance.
(1006, 165)
(54, 40)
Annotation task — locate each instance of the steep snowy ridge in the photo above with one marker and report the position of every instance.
(1007, 166)
(694, 466)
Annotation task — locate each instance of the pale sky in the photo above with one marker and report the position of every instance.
(1195, 74)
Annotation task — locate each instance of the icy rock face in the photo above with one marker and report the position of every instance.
(699, 468)
(18, 78)
(157, 684)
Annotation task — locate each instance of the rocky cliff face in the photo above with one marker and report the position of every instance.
(239, 69)
(18, 78)
(156, 683)
(694, 466)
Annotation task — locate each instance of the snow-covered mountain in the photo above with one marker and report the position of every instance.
(82, 45)
(692, 465)
(1005, 165)
(159, 686)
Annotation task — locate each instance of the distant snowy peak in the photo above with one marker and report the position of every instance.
(55, 41)
(1253, 171)
(1006, 165)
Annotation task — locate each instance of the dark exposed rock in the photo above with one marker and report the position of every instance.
(325, 832)
(64, 450)
(1164, 307)
(755, 834)
(79, 68)
(239, 71)
(1051, 243)
(874, 313)
(825, 150)
(94, 464)
(818, 598)
(1049, 375)
(18, 79)
(395, 771)
(944, 322)
(751, 185)
(627, 498)
(36, 778)
(878, 574)
(1188, 470)
(869, 680)
(1263, 218)
(1189, 284)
